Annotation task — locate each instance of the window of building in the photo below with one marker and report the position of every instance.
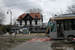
(38, 20)
(36, 16)
(30, 22)
(33, 22)
(68, 25)
(25, 22)
(53, 27)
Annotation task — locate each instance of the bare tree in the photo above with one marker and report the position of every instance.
(71, 9)
(2, 15)
(34, 10)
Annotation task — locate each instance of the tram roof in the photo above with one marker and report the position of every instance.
(63, 17)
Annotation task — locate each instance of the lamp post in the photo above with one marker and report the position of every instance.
(10, 16)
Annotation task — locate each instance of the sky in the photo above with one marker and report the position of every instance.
(48, 7)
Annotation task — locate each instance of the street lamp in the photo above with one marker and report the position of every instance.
(10, 16)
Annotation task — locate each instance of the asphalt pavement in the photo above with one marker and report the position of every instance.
(42, 35)
(34, 46)
(25, 37)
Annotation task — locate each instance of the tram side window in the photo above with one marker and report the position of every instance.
(53, 27)
(73, 25)
(68, 25)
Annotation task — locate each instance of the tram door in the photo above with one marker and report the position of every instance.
(60, 29)
(53, 29)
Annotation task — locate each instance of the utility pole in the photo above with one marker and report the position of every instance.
(10, 17)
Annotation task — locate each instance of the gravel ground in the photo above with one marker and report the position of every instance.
(8, 43)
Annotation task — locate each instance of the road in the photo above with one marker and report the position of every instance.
(23, 37)
(34, 46)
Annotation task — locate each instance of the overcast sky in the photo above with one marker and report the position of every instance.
(49, 7)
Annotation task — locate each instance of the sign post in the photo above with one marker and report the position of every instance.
(37, 30)
(15, 30)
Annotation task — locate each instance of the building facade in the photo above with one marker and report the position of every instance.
(30, 20)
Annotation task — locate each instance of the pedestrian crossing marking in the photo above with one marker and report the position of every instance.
(39, 40)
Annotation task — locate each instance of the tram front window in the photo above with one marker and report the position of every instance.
(53, 27)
